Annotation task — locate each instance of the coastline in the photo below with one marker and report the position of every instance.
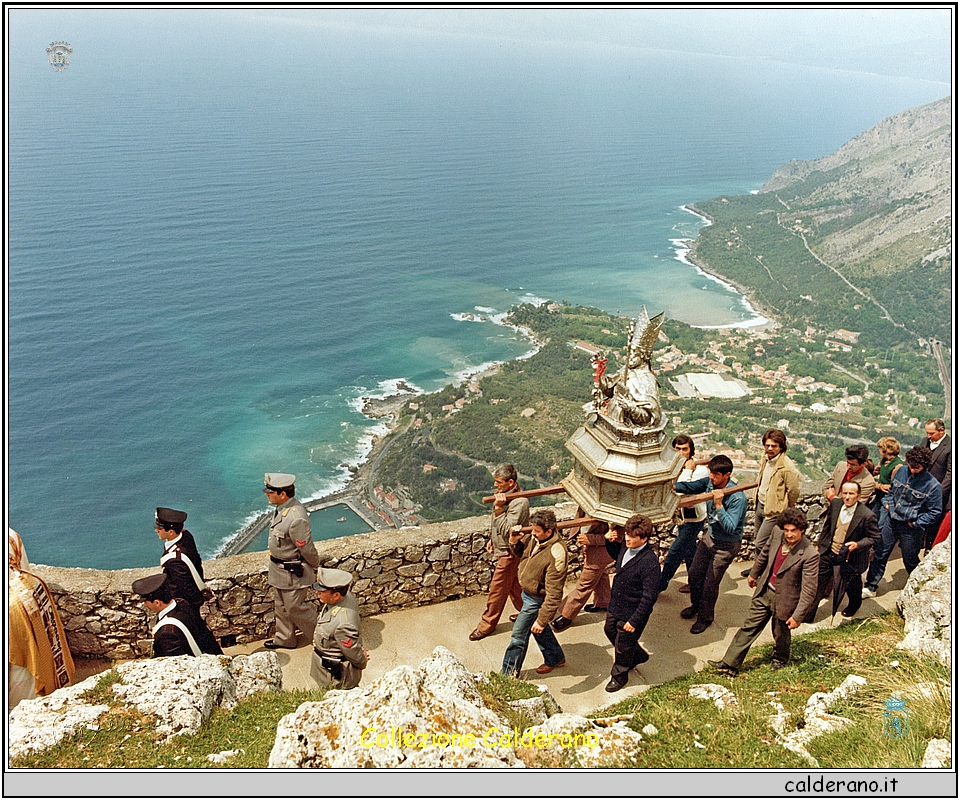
(763, 317)
(384, 409)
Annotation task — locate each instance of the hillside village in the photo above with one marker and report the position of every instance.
(724, 386)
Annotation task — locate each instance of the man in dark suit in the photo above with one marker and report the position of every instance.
(941, 448)
(636, 586)
(849, 535)
(784, 578)
(180, 630)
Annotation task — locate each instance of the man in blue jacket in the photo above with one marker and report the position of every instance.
(635, 589)
(914, 501)
(718, 546)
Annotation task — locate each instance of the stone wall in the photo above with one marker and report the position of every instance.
(394, 569)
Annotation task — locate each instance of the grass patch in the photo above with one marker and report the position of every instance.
(102, 692)
(127, 739)
(691, 733)
(498, 693)
(694, 734)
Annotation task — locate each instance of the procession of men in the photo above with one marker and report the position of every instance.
(799, 561)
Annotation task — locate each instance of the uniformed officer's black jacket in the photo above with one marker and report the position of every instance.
(169, 640)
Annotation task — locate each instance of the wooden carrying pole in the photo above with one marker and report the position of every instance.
(530, 493)
(569, 523)
(692, 499)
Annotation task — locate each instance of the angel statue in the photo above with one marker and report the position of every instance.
(633, 392)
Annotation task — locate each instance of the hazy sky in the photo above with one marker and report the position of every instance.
(910, 40)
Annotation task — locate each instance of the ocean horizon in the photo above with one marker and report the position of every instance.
(214, 257)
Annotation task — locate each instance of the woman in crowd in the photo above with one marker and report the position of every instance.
(889, 461)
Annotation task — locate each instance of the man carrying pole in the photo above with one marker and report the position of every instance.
(718, 546)
(508, 512)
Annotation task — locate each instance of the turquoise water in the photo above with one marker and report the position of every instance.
(213, 254)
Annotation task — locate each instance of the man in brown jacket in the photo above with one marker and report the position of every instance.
(784, 578)
(542, 572)
(593, 577)
(854, 468)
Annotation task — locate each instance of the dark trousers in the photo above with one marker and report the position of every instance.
(627, 652)
(854, 589)
(761, 609)
(683, 549)
(709, 565)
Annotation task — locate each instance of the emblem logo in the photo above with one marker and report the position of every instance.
(896, 718)
(59, 54)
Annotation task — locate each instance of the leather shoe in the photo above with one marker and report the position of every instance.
(745, 573)
(775, 665)
(689, 612)
(592, 609)
(721, 666)
(543, 669)
(614, 685)
(272, 645)
(699, 626)
(476, 636)
(849, 612)
(561, 623)
(513, 617)
(685, 589)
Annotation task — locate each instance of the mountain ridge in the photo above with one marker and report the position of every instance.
(859, 239)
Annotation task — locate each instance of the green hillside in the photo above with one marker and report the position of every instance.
(859, 240)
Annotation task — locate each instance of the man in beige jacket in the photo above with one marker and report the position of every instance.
(779, 488)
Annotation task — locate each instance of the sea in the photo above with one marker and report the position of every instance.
(224, 232)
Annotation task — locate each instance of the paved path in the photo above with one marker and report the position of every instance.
(410, 635)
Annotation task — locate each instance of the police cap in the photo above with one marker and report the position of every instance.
(332, 579)
(278, 481)
(148, 587)
(169, 519)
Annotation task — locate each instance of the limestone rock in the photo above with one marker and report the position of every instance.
(258, 672)
(722, 697)
(574, 740)
(408, 718)
(816, 718)
(44, 721)
(223, 756)
(181, 691)
(533, 707)
(925, 604)
(937, 755)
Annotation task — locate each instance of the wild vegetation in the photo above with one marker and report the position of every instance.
(691, 733)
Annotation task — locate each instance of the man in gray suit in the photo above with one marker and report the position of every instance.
(293, 561)
(784, 578)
